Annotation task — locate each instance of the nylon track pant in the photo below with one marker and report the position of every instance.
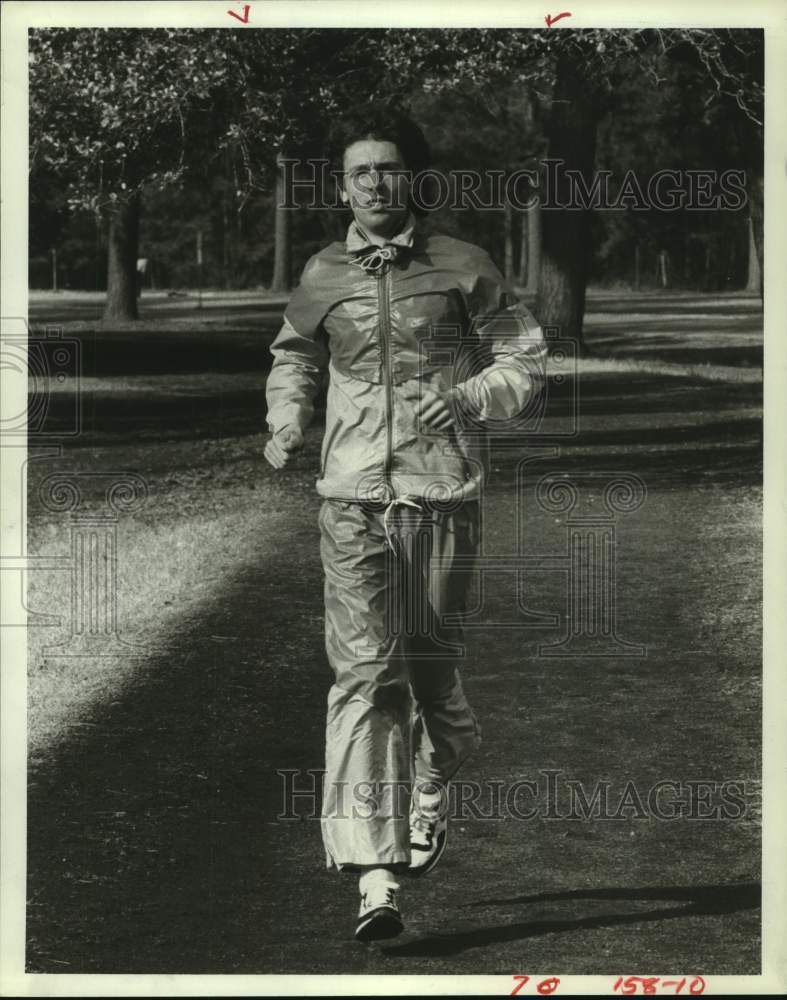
(396, 711)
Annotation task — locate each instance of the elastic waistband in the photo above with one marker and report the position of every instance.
(429, 506)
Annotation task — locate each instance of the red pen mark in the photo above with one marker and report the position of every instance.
(544, 987)
(245, 18)
(632, 985)
(551, 20)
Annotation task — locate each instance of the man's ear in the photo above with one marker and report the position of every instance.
(344, 196)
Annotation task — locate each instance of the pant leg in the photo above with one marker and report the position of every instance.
(367, 759)
(385, 632)
(445, 729)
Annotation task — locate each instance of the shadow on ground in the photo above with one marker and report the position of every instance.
(155, 840)
(702, 900)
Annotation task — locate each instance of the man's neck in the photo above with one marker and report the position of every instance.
(381, 238)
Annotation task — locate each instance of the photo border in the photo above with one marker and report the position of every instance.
(17, 17)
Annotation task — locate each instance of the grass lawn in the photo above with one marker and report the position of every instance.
(154, 840)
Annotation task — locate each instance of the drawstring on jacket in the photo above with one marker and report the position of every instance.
(376, 258)
(404, 502)
(367, 254)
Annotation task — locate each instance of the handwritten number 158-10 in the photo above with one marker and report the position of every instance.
(630, 985)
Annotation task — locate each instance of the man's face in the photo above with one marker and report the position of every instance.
(376, 186)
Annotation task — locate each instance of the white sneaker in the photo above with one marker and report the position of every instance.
(428, 835)
(379, 917)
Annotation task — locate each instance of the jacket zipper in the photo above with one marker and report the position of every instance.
(383, 301)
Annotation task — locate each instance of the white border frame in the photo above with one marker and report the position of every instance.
(17, 17)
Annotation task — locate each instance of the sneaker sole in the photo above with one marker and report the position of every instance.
(379, 925)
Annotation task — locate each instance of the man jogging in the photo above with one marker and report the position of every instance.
(426, 350)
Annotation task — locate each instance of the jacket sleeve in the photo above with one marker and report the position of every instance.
(511, 369)
(300, 359)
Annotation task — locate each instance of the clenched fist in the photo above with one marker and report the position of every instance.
(282, 445)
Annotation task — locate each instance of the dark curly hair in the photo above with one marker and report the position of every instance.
(386, 123)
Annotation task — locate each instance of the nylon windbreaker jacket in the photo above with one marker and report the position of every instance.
(438, 314)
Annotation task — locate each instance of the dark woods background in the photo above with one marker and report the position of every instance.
(143, 140)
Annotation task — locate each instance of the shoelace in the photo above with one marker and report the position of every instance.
(376, 258)
(390, 897)
(423, 817)
(400, 501)
(422, 824)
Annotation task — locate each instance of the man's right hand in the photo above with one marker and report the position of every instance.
(283, 445)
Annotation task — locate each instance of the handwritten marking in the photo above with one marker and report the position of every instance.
(551, 20)
(631, 985)
(544, 987)
(245, 18)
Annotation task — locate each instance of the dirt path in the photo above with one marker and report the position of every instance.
(155, 843)
(156, 838)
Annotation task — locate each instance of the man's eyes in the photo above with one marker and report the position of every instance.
(382, 171)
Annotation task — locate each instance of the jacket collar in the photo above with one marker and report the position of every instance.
(372, 254)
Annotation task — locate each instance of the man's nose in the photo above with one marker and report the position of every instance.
(377, 179)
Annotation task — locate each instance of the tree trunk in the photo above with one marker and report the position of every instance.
(122, 261)
(533, 247)
(225, 240)
(753, 277)
(227, 203)
(754, 280)
(754, 191)
(661, 267)
(523, 230)
(99, 254)
(508, 238)
(565, 245)
(282, 257)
